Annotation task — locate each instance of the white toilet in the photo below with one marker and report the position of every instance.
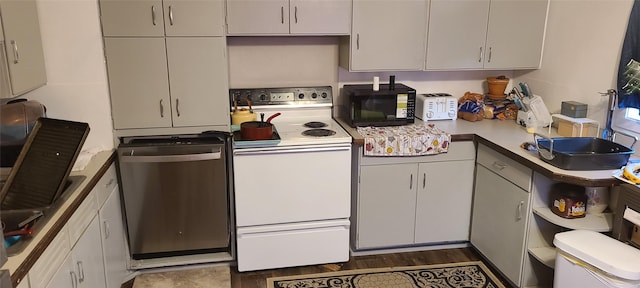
(590, 259)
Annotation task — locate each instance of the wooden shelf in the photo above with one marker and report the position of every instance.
(594, 222)
(546, 255)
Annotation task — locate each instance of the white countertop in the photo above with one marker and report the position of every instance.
(509, 135)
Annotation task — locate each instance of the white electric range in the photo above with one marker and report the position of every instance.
(292, 194)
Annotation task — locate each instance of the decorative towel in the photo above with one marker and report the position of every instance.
(407, 140)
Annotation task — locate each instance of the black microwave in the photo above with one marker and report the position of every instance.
(390, 105)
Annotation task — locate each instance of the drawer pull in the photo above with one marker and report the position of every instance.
(411, 182)
(153, 15)
(424, 180)
(499, 165)
(519, 217)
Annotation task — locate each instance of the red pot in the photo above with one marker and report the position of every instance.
(258, 130)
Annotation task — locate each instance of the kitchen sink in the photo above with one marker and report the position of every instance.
(582, 153)
(34, 218)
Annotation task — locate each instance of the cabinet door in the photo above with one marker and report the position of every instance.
(257, 17)
(65, 276)
(386, 205)
(23, 45)
(515, 33)
(194, 17)
(113, 240)
(139, 84)
(199, 82)
(388, 35)
(87, 258)
(132, 18)
(445, 191)
(499, 220)
(320, 17)
(457, 34)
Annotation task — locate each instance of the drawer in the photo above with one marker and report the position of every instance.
(458, 150)
(504, 166)
(106, 184)
(80, 219)
(292, 245)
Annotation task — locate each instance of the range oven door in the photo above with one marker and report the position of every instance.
(292, 184)
(292, 205)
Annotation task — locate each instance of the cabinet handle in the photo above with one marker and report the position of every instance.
(109, 183)
(520, 210)
(295, 13)
(80, 272)
(489, 58)
(411, 182)
(153, 14)
(178, 107)
(170, 15)
(16, 55)
(161, 109)
(282, 14)
(499, 165)
(480, 55)
(105, 224)
(358, 41)
(74, 279)
(424, 180)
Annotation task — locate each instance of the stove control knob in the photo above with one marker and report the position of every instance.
(301, 96)
(314, 95)
(324, 95)
(263, 97)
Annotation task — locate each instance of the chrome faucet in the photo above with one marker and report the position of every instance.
(608, 133)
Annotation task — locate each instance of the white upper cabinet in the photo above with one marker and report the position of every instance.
(162, 18)
(282, 17)
(486, 34)
(22, 48)
(457, 34)
(386, 35)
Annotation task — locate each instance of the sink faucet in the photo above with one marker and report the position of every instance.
(608, 133)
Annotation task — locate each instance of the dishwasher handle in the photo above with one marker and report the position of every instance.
(171, 158)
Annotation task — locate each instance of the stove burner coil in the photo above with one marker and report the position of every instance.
(315, 124)
(318, 132)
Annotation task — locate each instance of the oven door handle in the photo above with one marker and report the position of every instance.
(171, 158)
(287, 151)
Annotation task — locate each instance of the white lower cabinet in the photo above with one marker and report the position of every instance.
(499, 222)
(113, 240)
(83, 267)
(90, 250)
(401, 201)
(501, 209)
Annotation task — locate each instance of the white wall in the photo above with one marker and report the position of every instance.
(76, 87)
(581, 53)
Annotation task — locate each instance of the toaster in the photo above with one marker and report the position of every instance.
(436, 106)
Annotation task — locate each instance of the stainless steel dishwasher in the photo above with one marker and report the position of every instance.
(176, 194)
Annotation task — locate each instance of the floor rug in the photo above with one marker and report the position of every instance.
(452, 275)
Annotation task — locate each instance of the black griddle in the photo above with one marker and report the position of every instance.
(41, 171)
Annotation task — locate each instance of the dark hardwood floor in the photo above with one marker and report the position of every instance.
(257, 279)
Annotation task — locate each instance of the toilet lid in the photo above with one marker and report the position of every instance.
(602, 252)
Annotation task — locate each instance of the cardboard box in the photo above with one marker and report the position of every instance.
(635, 234)
(574, 109)
(572, 129)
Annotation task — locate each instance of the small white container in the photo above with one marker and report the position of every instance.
(590, 259)
(597, 199)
